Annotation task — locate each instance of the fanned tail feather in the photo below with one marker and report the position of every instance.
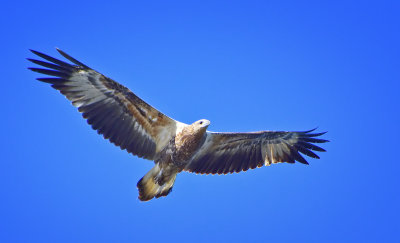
(152, 185)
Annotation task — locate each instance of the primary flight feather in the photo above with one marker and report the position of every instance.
(132, 124)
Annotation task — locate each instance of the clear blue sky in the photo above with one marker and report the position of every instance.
(244, 65)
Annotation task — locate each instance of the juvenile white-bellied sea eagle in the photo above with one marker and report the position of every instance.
(132, 124)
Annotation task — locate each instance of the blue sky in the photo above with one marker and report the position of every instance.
(245, 66)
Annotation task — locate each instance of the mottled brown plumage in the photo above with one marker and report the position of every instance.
(132, 124)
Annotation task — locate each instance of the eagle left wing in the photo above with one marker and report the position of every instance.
(223, 153)
(109, 107)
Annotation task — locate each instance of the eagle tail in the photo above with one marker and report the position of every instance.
(155, 184)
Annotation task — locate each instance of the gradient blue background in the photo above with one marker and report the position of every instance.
(244, 65)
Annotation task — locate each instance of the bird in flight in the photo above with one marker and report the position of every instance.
(130, 123)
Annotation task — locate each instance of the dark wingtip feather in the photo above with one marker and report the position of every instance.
(311, 130)
(300, 158)
(315, 134)
(310, 146)
(306, 151)
(49, 72)
(310, 137)
(34, 69)
(49, 65)
(314, 140)
(39, 54)
(71, 58)
(51, 59)
(35, 52)
(51, 80)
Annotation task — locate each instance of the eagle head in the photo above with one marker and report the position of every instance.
(201, 124)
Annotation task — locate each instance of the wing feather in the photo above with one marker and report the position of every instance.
(110, 108)
(223, 153)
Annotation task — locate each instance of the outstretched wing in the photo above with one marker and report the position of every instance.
(223, 153)
(110, 108)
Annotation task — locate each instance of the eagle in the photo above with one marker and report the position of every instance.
(130, 123)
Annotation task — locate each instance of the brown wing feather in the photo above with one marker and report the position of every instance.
(223, 153)
(110, 108)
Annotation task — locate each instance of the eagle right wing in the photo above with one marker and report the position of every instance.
(110, 108)
(223, 153)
